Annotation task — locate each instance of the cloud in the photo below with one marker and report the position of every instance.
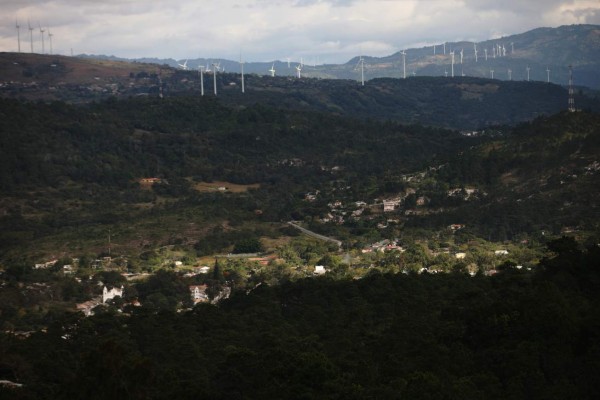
(333, 30)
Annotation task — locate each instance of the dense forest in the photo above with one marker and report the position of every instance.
(515, 335)
(69, 173)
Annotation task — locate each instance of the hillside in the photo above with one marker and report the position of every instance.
(538, 49)
(460, 103)
(70, 173)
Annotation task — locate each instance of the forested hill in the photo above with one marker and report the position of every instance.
(461, 102)
(449, 336)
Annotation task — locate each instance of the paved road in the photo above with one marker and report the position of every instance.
(315, 235)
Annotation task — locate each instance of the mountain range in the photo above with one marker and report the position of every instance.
(540, 50)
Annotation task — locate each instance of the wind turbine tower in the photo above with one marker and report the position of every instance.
(50, 37)
(548, 73)
(492, 73)
(485, 51)
(452, 55)
(461, 56)
(299, 70)
(403, 63)
(434, 49)
(510, 74)
(571, 95)
(512, 48)
(215, 66)
(201, 70)
(475, 50)
(242, 68)
(18, 34)
(30, 35)
(361, 61)
(528, 69)
(42, 36)
(444, 48)
(272, 70)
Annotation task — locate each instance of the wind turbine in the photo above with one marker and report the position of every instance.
(201, 69)
(215, 68)
(475, 50)
(18, 33)
(461, 56)
(528, 73)
(494, 51)
(452, 55)
(288, 60)
(298, 70)
(242, 68)
(434, 49)
(184, 65)
(446, 73)
(404, 63)
(548, 73)
(361, 61)
(30, 35)
(42, 35)
(510, 74)
(444, 48)
(492, 73)
(50, 37)
(512, 48)
(485, 51)
(503, 51)
(272, 70)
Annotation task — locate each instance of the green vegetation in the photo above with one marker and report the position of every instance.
(449, 336)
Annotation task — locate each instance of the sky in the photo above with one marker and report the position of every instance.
(319, 31)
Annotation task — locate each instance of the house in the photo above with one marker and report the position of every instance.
(111, 294)
(460, 256)
(389, 205)
(198, 293)
(319, 270)
(501, 252)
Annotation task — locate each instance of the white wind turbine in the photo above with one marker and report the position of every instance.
(461, 56)
(512, 48)
(485, 51)
(30, 35)
(444, 48)
(215, 69)
(434, 49)
(528, 73)
(548, 73)
(183, 66)
(475, 50)
(201, 70)
(299, 70)
(361, 61)
(510, 74)
(42, 36)
(452, 55)
(242, 68)
(492, 73)
(446, 73)
(272, 70)
(404, 63)
(18, 34)
(50, 37)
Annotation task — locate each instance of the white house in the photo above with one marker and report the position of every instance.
(111, 294)
(198, 293)
(319, 270)
(501, 252)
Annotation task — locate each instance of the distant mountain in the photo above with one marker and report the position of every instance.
(540, 49)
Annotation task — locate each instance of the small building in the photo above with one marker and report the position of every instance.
(460, 256)
(319, 270)
(501, 252)
(198, 293)
(111, 294)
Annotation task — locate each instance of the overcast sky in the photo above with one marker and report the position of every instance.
(328, 31)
